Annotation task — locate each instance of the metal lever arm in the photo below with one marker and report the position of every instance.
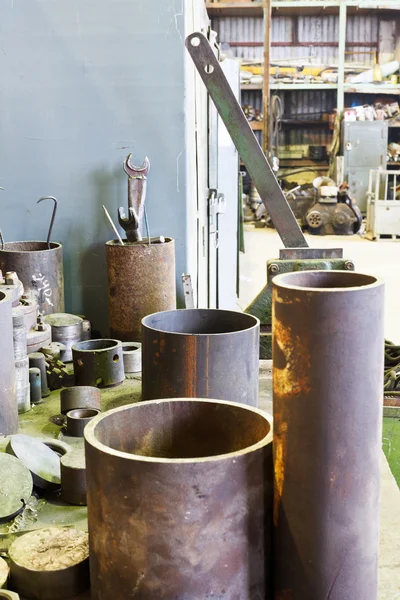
(245, 141)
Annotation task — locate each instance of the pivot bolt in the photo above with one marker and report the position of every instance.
(274, 268)
(349, 265)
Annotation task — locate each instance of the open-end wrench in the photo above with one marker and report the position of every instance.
(137, 183)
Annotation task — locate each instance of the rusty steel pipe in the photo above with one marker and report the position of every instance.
(179, 496)
(40, 268)
(8, 386)
(201, 353)
(328, 349)
(141, 281)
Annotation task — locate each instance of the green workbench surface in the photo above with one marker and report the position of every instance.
(50, 510)
(391, 444)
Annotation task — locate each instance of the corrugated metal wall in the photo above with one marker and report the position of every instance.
(313, 29)
(370, 31)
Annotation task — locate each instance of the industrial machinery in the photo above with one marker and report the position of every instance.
(333, 211)
(296, 256)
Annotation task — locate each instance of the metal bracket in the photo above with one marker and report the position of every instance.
(216, 206)
(188, 291)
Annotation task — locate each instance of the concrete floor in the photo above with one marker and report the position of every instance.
(375, 258)
(381, 259)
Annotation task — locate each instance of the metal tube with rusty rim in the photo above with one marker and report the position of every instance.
(201, 353)
(8, 388)
(78, 418)
(79, 396)
(39, 266)
(327, 378)
(141, 281)
(179, 496)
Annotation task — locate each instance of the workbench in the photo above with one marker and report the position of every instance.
(41, 421)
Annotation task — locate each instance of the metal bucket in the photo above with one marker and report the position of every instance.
(141, 281)
(8, 390)
(179, 500)
(201, 353)
(40, 269)
(328, 395)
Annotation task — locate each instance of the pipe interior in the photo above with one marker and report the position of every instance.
(200, 321)
(181, 429)
(96, 345)
(29, 246)
(83, 413)
(326, 279)
(129, 347)
(2, 296)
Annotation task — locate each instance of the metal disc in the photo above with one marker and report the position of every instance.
(43, 463)
(15, 487)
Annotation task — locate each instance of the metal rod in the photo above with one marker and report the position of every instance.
(341, 49)
(147, 225)
(53, 216)
(328, 349)
(113, 226)
(245, 141)
(266, 76)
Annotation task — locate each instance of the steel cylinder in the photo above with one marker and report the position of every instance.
(21, 362)
(78, 418)
(201, 353)
(40, 269)
(35, 385)
(328, 349)
(8, 389)
(98, 363)
(66, 329)
(179, 496)
(79, 396)
(141, 281)
(38, 360)
(132, 353)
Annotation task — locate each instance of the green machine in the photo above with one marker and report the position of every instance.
(296, 255)
(291, 259)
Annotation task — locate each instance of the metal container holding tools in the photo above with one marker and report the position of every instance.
(8, 390)
(141, 281)
(201, 353)
(328, 349)
(179, 496)
(40, 269)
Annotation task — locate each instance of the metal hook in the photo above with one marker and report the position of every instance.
(53, 216)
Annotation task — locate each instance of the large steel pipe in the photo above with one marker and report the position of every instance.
(41, 271)
(179, 496)
(328, 384)
(141, 281)
(8, 389)
(201, 353)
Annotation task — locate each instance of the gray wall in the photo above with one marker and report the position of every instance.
(83, 83)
